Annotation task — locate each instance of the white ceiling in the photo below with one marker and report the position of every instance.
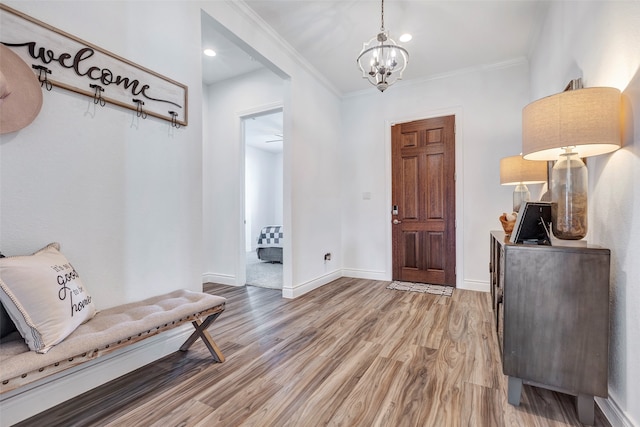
(448, 35)
(230, 60)
(264, 132)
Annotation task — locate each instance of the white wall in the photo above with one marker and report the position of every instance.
(311, 187)
(600, 42)
(263, 183)
(125, 196)
(486, 102)
(311, 183)
(224, 167)
(278, 188)
(122, 195)
(316, 181)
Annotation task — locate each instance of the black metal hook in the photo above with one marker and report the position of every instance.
(174, 119)
(97, 96)
(139, 110)
(42, 76)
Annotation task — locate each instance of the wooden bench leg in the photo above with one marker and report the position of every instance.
(202, 333)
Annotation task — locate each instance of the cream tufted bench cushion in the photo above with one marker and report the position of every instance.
(110, 330)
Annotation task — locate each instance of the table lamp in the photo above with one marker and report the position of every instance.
(577, 123)
(517, 171)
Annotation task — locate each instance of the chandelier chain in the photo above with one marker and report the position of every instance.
(382, 16)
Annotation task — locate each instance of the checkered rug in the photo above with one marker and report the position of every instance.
(446, 291)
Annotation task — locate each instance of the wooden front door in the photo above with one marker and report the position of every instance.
(423, 198)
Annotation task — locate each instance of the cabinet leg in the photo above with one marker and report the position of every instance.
(584, 403)
(514, 390)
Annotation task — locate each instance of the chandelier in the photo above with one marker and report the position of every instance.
(382, 61)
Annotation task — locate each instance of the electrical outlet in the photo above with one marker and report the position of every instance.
(327, 256)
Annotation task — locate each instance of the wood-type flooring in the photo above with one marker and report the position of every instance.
(351, 353)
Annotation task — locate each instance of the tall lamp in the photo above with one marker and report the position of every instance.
(566, 127)
(517, 171)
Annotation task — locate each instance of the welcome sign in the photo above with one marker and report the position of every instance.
(74, 64)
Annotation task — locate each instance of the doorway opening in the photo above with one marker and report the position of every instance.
(264, 198)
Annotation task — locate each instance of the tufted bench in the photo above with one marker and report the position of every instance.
(110, 330)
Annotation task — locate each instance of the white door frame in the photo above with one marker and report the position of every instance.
(459, 144)
(241, 260)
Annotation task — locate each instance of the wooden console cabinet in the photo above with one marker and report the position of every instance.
(551, 306)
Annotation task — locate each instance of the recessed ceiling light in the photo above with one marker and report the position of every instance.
(405, 37)
(209, 52)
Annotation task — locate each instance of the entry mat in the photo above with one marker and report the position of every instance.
(446, 291)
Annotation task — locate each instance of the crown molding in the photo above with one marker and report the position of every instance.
(514, 62)
(241, 7)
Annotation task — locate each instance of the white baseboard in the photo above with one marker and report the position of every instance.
(32, 399)
(470, 285)
(223, 279)
(310, 285)
(613, 413)
(475, 285)
(366, 274)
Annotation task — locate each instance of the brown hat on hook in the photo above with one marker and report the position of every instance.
(20, 92)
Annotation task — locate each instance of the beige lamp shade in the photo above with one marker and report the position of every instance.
(515, 170)
(587, 119)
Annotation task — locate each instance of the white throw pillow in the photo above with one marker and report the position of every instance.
(44, 297)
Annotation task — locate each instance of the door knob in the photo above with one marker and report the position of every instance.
(395, 221)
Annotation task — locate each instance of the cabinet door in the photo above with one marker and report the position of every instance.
(500, 327)
(556, 318)
(494, 268)
(499, 275)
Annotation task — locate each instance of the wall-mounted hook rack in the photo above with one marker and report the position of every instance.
(42, 76)
(139, 111)
(174, 119)
(97, 96)
(70, 63)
